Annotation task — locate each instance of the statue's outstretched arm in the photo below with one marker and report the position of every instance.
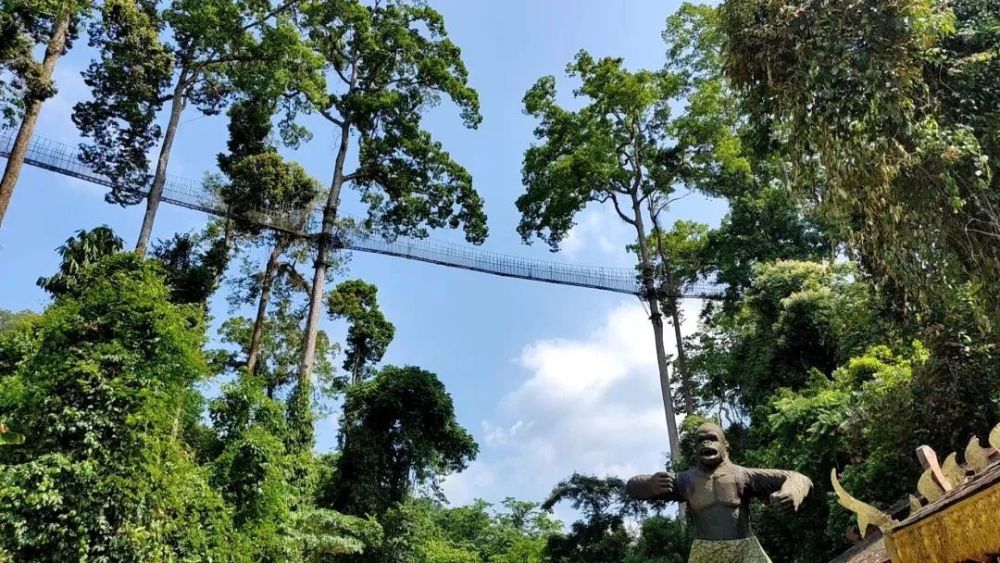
(659, 486)
(787, 488)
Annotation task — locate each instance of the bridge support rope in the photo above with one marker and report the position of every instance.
(64, 159)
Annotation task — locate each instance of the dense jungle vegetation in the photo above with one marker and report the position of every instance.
(855, 142)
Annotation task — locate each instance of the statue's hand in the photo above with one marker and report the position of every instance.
(663, 483)
(783, 501)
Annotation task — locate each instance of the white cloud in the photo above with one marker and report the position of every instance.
(591, 405)
(598, 234)
(469, 485)
(500, 436)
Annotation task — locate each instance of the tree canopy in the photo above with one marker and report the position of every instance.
(853, 145)
(399, 432)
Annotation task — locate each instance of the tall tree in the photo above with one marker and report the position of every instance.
(622, 147)
(259, 178)
(23, 25)
(280, 348)
(391, 61)
(398, 432)
(193, 52)
(766, 220)
(679, 257)
(369, 333)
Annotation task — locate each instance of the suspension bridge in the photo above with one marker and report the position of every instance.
(64, 159)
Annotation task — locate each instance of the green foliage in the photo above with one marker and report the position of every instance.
(625, 145)
(661, 540)
(580, 159)
(865, 411)
(258, 178)
(280, 350)
(288, 186)
(679, 259)
(193, 264)
(325, 534)
(771, 360)
(369, 333)
(191, 52)
(801, 356)
(127, 80)
(115, 363)
(18, 340)
(765, 223)
(81, 250)
(252, 471)
(798, 318)
(398, 431)
(391, 62)
(888, 115)
(20, 72)
(24, 25)
(424, 531)
(601, 535)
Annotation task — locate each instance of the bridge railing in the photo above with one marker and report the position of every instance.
(63, 158)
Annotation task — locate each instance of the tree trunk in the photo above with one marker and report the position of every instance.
(324, 245)
(177, 104)
(266, 282)
(655, 317)
(54, 50)
(674, 314)
(356, 370)
(675, 317)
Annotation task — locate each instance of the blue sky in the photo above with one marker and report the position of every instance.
(549, 379)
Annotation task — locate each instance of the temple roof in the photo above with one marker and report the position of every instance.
(963, 505)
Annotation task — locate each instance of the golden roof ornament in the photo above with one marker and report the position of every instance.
(953, 472)
(956, 518)
(928, 488)
(867, 514)
(975, 455)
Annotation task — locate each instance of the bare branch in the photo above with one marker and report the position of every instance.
(340, 73)
(618, 209)
(330, 117)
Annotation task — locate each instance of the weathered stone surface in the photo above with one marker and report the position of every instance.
(718, 494)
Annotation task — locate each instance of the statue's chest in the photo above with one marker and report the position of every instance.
(715, 490)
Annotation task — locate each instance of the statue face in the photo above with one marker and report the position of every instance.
(710, 446)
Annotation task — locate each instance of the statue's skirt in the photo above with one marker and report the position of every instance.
(747, 550)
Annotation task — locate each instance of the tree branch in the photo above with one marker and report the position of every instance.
(275, 12)
(342, 77)
(330, 117)
(353, 176)
(618, 209)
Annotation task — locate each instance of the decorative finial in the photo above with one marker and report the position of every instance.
(867, 514)
(975, 455)
(929, 461)
(953, 472)
(928, 487)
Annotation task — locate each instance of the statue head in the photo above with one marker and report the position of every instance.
(711, 448)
